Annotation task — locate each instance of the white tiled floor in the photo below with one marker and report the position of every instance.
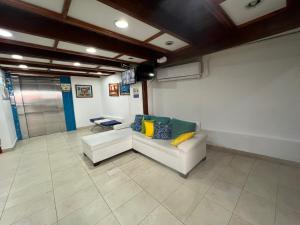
(47, 181)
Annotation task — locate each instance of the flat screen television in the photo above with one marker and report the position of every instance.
(128, 77)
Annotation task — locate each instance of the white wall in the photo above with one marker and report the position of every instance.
(102, 104)
(7, 126)
(249, 100)
(123, 106)
(87, 108)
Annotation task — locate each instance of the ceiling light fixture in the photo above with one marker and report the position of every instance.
(17, 56)
(253, 3)
(76, 64)
(151, 74)
(121, 24)
(99, 73)
(23, 66)
(5, 33)
(91, 50)
(169, 43)
(130, 58)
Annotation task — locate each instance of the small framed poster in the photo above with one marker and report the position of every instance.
(84, 91)
(113, 89)
(65, 87)
(136, 93)
(124, 89)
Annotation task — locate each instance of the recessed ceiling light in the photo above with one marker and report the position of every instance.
(130, 58)
(99, 73)
(5, 33)
(23, 66)
(17, 56)
(121, 24)
(151, 74)
(253, 3)
(169, 42)
(76, 64)
(91, 50)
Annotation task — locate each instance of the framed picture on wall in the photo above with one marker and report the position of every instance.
(84, 91)
(113, 89)
(124, 89)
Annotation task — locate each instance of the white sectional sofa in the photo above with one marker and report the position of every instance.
(183, 158)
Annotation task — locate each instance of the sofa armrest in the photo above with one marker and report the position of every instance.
(192, 143)
(121, 126)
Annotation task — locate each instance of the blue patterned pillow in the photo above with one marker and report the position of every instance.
(162, 131)
(138, 123)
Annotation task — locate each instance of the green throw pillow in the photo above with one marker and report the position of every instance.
(161, 119)
(180, 127)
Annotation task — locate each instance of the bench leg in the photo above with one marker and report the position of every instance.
(135, 151)
(203, 159)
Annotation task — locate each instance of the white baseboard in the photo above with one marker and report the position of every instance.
(286, 149)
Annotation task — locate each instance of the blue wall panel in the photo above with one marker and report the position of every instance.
(68, 104)
(10, 89)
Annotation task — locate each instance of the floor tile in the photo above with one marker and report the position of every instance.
(87, 215)
(225, 194)
(255, 209)
(76, 201)
(209, 213)
(235, 220)
(182, 202)
(108, 220)
(289, 197)
(263, 187)
(233, 175)
(160, 216)
(285, 216)
(119, 195)
(136, 209)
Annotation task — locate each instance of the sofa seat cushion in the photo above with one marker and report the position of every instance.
(163, 145)
(100, 140)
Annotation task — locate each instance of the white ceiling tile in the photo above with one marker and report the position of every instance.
(163, 39)
(82, 49)
(70, 71)
(240, 14)
(28, 38)
(7, 56)
(71, 64)
(112, 68)
(37, 68)
(102, 73)
(53, 5)
(131, 59)
(11, 66)
(101, 15)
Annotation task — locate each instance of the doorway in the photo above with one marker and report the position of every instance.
(39, 105)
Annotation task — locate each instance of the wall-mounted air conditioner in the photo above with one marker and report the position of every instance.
(180, 72)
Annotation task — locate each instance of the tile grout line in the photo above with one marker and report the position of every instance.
(11, 185)
(52, 182)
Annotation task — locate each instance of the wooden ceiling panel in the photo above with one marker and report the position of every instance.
(168, 42)
(82, 49)
(28, 38)
(71, 64)
(29, 22)
(104, 16)
(131, 59)
(7, 56)
(240, 14)
(53, 5)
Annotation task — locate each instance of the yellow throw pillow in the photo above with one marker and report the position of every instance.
(149, 128)
(182, 138)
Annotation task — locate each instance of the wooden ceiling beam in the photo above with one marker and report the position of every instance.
(27, 22)
(66, 8)
(43, 72)
(8, 47)
(51, 66)
(287, 20)
(117, 41)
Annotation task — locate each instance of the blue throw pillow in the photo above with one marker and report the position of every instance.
(138, 123)
(162, 131)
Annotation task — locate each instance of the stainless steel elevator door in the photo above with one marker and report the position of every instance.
(42, 106)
